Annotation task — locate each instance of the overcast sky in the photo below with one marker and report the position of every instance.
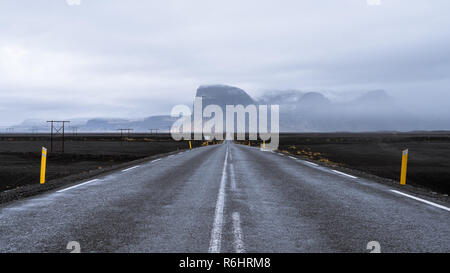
(131, 59)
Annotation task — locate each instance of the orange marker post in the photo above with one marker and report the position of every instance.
(43, 164)
(404, 167)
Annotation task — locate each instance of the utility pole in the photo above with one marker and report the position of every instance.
(121, 133)
(57, 127)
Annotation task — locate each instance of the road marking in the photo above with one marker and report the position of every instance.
(421, 200)
(129, 169)
(216, 233)
(292, 157)
(237, 231)
(338, 172)
(76, 186)
(155, 160)
(233, 181)
(314, 164)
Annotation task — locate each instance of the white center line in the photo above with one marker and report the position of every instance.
(216, 233)
(76, 186)
(341, 173)
(237, 231)
(421, 200)
(233, 181)
(126, 170)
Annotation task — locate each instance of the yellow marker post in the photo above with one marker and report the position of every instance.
(43, 164)
(404, 167)
(249, 144)
(190, 145)
(264, 144)
(206, 143)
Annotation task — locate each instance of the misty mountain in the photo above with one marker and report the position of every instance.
(223, 95)
(300, 111)
(371, 111)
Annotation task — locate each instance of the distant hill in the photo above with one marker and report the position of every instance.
(162, 122)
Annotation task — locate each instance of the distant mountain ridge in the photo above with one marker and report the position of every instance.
(300, 111)
(161, 122)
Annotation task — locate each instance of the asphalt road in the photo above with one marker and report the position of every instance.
(225, 198)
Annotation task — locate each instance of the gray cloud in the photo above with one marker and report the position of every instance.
(115, 58)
